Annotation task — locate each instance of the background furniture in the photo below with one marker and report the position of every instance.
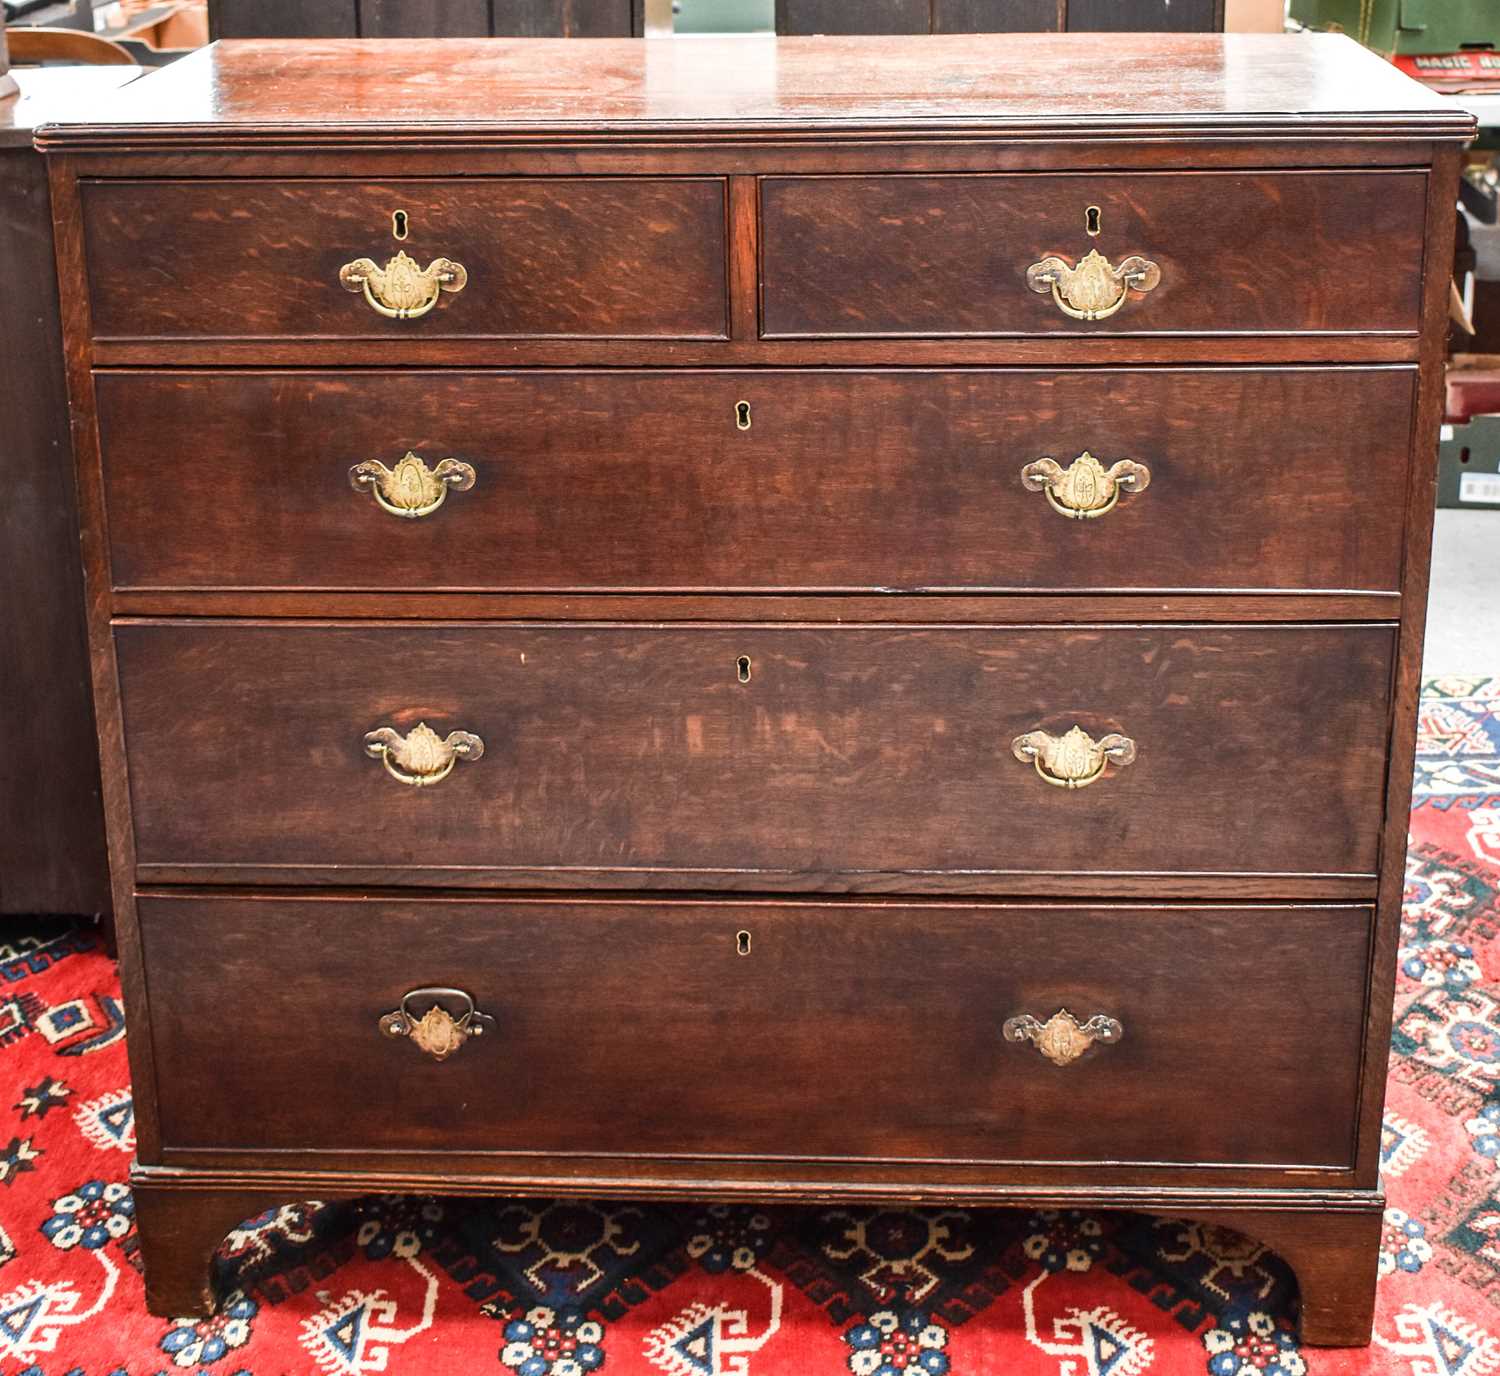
(67, 47)
(7, 82)
(53, 859)
(634, 493)
(621, 18)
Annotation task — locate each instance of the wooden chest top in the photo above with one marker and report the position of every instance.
(1117, 86)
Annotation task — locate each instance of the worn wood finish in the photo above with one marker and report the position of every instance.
(1179, 980)
(589, 257)
(948, 256)
(626, 754)
(627, 747)
(882, 607)
(627, 480)
(52, 859)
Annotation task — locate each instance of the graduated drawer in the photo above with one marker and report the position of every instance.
(541, 257)
(797, 1029)
(842, 481)
(1229, 253)
(628, 754)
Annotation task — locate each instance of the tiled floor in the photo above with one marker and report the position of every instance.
(1463, 612)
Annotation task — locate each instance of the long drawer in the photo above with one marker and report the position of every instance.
(841, 756)
(760, 480)
(546, 257)
(801, 1029)
(1214, 253)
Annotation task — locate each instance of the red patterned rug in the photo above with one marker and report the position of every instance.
(537, 1288)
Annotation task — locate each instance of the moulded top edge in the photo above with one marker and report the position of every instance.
(1002, 86)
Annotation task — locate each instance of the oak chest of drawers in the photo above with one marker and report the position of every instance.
(796, 621)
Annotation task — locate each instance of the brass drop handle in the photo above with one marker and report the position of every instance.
(1085, 489)
(437, 1031)
(1062, 1039)
(1093, 288)
(1074, 760)
(411, 489)
(401, 290)
(421, 758)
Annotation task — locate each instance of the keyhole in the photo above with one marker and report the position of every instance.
(1091, 220)
(742, 415)
(398, 224)
(742, 667)
(742, 943)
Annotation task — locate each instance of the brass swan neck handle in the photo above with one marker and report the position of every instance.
(1062, 1039)
(1072, 760)
(411, 489)
(1093, 288)
(401, 290)
(1085, 489)
(421, 758)
(436, 1031)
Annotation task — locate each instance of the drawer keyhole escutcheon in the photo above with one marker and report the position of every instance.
(399, 225)
(742, 668)
(1074, 760)
(742, 415)
(1062, 1039)
(421, 758)
(402, 290)
(1085, 489)
(742, 943)
(1092, 222)
(437, 1032)
(411, 489)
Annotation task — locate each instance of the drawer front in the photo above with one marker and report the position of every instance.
(541, 257)
(843, 480)
(843, 755)
(1233, 253)
(846, 1030)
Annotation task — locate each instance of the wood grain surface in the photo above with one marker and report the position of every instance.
(676, 1013)
(849, 751)
(872, 480)
(1238, 252)
(545, 257)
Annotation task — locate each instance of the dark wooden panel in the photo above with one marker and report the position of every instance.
(869, 480)
(840, 17)
(850, 750)
(52, 859)
(1257, 252)
(283, 18)
(997, 16)
(1146, 16)
(557, 256)
(424, 18)
(678, 1013)
(562, 18)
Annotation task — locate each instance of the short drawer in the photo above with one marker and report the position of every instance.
(797, 1029)
(840, 755)
(540, 257)
(1194, 253)
(1201, 479)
